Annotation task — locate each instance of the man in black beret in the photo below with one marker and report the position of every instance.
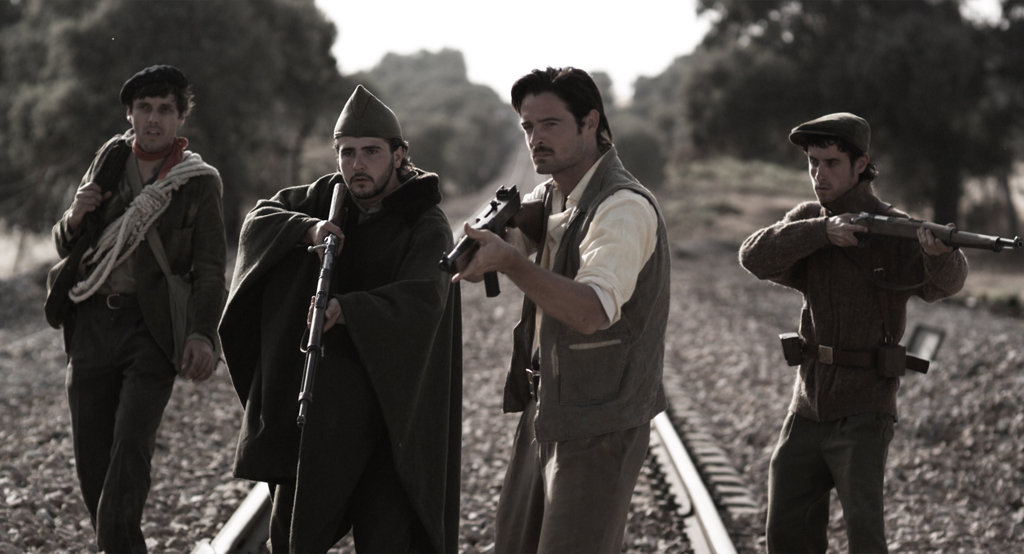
(379, 452)
(843, 410)
(138, 291)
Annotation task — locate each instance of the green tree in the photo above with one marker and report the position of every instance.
(1005, 115)
(916, 69)
(262, 72)
(659, 101)
(460, 130)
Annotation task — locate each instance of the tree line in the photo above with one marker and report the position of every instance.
(944, 94)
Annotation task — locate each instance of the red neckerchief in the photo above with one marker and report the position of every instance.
(173, 154)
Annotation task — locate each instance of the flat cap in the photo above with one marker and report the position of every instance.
(844, 125)
(152, 74)
(366, 116)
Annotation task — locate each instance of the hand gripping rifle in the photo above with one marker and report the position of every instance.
(493, 217)
(902, 227)
(314, 346)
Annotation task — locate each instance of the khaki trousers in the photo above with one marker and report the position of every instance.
(568, 496)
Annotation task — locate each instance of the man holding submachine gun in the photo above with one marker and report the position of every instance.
(591, 256)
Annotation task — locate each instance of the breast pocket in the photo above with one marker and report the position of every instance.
(590, 371)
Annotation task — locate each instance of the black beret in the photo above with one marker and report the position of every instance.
(152, 74)
(847, 126)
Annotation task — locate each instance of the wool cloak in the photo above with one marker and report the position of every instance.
(403, 329)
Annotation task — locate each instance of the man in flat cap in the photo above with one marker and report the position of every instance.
(379, 452)
(855, 293)
(138, 291)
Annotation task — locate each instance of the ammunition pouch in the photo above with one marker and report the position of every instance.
(891, 360)
(792, 348)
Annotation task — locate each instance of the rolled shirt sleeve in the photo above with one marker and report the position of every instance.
(620, 240)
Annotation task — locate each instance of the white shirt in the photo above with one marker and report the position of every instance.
(619, 241)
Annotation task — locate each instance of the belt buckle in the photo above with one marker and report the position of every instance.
(112, 305)
(533, 377)
(825, 354)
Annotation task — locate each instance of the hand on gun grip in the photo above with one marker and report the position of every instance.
(494, 217)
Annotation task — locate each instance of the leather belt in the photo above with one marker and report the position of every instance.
(118, 301)
(534, 378)
(834, 356)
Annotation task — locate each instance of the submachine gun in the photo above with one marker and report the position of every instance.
(902, 227)
(493, 217)
(314, 344)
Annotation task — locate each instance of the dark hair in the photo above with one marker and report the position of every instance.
(824, 141)
(573, 86)
(405, 168)
(183, 97)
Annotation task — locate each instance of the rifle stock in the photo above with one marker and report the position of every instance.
(901, 227)
(314, 345)
(493, 217)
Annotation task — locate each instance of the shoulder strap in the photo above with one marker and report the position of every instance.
(153, 238)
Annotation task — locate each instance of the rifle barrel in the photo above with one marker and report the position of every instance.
(907, 228)
(313, 348)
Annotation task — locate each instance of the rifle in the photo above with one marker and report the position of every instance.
(493, 217)
(902, 227)
(314, 347)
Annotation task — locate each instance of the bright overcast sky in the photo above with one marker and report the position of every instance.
(503, 41)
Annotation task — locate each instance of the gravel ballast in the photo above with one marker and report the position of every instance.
(954, 479)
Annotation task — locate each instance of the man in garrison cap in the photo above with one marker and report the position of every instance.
(855, 293)
(139, 291)
(379, 452)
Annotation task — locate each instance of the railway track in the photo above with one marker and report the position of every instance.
(682, 480)
(694, 478)
(703, 525)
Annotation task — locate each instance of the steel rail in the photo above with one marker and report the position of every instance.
(248, 527)
(704, 527)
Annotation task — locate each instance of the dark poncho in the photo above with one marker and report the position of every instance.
(403, 326)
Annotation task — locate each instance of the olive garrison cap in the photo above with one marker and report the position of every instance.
(366, 116)
(152, 74)
(847, 126)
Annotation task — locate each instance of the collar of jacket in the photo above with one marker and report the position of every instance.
(419, 192)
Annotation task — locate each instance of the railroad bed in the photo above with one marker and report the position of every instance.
(193, 494)
(954, 473)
